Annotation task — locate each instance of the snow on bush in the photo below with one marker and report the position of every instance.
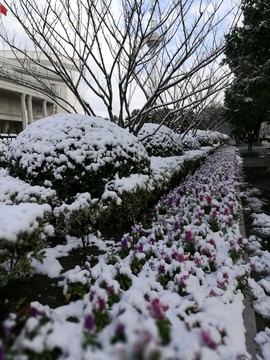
(74, 153)
(77, 218)
(175, 276)
(209, 138)
(16, 191)
(190, 142)
(160, 140)
(23, 231)
(4, 145)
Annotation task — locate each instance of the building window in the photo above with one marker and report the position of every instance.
(39, 110)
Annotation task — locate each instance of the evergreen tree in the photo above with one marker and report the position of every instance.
(248, 56)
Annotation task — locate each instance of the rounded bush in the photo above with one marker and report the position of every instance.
(209, 138)
(160, 140)
(190, 142)
(75, 153)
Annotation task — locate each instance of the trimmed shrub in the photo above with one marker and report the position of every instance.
(209, 138)
(160, 140)
(23, 232)
(74, 153)
(15, 191)
(124, 200)
(77, 219)
(190, 143)
(4, 145)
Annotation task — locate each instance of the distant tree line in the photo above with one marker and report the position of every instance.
(247, 99)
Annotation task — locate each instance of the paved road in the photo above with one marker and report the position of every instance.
(256, 173)
(258, 157)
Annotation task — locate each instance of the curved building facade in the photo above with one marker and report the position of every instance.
(21, 103)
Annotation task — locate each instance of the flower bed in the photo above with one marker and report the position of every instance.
(170, 290)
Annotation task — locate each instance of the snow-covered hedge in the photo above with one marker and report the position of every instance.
(190, 142)
(4, 145)
(14, 191)
(74, 153)
(209, 138)
(23, 232)
(160, 140)
(94, 174)
(77, 218)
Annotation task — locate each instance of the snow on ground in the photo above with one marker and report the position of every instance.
(260, 262)
(169, 290)
(261, 224)
(263, 340)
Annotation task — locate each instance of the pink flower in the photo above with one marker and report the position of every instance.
(89, 323)
(125, 242)
(221, 283)
(182, 280)
(176, 225)
(152, 240)
(101, 304)
(157, 310)
(182, 257)
(137, 229)
(91, 295)
(110, 290)
(208, 199)
(188, 235)
(214, 213)
(206, 337)
(225, 275)
(140, 248)
(161, 269)
(212, 242)
(240, 241)
(232, 243)
(213, 293)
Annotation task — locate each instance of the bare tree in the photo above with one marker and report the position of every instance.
(163, 52)
(189, 98)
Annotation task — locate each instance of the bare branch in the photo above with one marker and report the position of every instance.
(109, 53)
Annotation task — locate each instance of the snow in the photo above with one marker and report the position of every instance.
(77, 150)
(19, 219)
(169, 287)
(260, 263)
(263, 339)
(261, 223)
(15, 191)
(160, 140)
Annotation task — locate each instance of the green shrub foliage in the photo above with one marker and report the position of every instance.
(74, 153)
(4, 145)
(160, 140)
(22, 239)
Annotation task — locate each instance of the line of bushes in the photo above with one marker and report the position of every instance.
(85, 174)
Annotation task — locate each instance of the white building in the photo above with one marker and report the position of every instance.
(20, 103)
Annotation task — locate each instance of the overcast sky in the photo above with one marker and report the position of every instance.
(11, 26)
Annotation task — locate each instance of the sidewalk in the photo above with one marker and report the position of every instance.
(258, 157)
(256, 168)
